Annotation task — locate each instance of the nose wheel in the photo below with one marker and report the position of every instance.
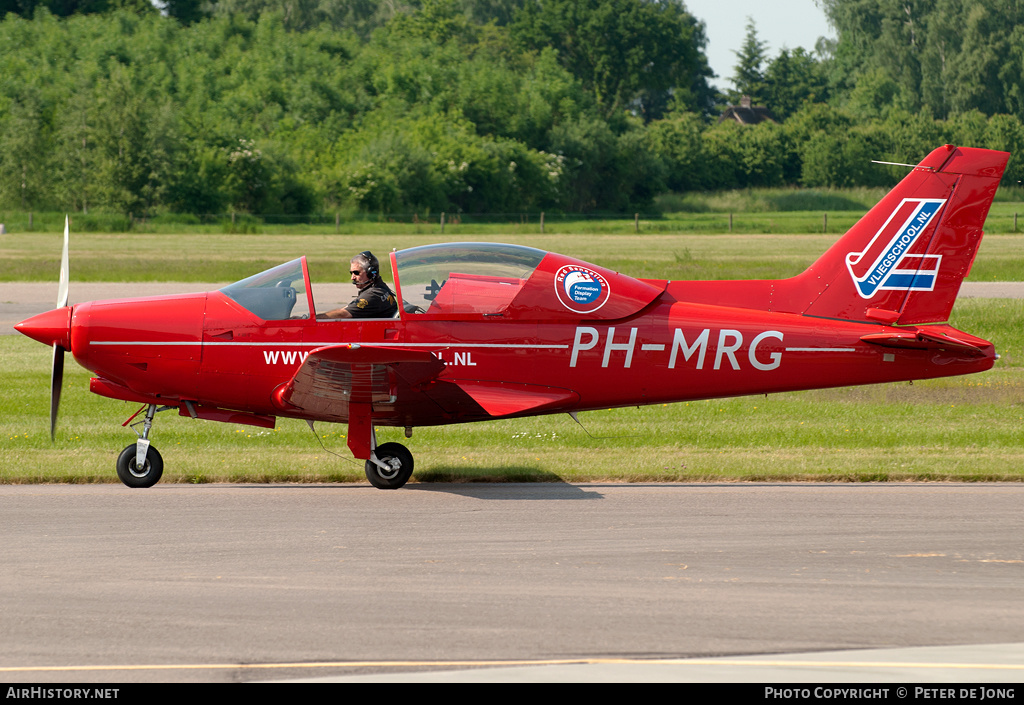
(135, 475)
(140, 465)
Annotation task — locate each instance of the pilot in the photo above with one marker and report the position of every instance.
(374, 300)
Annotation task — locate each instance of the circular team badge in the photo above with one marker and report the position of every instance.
(581, 290)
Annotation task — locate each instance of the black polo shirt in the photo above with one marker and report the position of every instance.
(375, 301)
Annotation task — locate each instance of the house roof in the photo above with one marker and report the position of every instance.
(747, 114)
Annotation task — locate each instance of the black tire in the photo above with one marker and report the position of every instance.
(129, 473)
(399, 458)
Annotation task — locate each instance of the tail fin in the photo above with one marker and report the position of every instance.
(903, 262)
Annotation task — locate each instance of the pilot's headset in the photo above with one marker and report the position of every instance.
(372, 265)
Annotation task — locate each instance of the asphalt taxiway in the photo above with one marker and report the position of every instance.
(531, 582)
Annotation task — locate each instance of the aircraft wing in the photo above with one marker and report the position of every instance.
(343, 382)
(334, 377)
(506, 398)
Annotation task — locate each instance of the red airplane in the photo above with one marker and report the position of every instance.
(491, 331)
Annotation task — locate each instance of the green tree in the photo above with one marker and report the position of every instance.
(792, 80)
(874, 96)
(75, 139)
(976, 80)
(359, 16)
(909, 137)
(620, 49)
(62, 8)
(679, 140)
(297, 15)
(748, 75)
(762, 155)
(136, 146)
(501, 12)
(721, 156)
(24, 146)
(437, 20)
(185, 11)
(604, 170)
(430, 163)
(943, 56)
(845, 160)
(967, 128)
(1006, 133)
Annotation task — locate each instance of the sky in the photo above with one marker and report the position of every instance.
(780, 23)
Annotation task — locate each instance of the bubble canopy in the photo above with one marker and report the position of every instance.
(469, 280)
(514, 282)
(464, 278)
(275, 294)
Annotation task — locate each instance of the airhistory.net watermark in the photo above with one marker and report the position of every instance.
(62, 693)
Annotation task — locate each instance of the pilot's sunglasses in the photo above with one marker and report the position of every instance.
(355, 273)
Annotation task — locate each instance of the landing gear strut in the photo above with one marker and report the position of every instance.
(140, 465)
(389, 465)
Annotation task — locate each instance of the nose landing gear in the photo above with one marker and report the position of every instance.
(140, 465)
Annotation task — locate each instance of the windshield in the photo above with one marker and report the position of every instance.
(274, 295)
(469, 277)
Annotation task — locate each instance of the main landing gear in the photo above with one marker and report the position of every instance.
(139, 464)
(389, 466)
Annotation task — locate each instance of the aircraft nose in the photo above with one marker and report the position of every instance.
(52, 327)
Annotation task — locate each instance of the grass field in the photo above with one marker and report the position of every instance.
(225, 258)
(966, 428)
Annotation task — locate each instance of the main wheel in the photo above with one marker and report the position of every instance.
(398, 458)
(129, 472)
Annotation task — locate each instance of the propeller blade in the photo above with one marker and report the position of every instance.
(56, 382)
(62, 286)
(57, 369)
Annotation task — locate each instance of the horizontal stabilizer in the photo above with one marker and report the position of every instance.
(932, 338)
